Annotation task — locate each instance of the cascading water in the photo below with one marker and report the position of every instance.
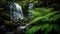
(30, 7)
(21, 28)
(15, 12)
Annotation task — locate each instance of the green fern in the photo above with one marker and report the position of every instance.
(45, 19)
(46, 27)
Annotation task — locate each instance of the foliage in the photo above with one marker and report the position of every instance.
(43, 19)
(38, 12)
(45, 22)
(44, 27)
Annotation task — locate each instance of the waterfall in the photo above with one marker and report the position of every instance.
(21, 28)
(30, 7)
(15, 11)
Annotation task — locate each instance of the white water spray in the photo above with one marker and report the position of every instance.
(15, 12)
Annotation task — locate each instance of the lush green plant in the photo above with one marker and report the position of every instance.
(44, 27)
(45, 19)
